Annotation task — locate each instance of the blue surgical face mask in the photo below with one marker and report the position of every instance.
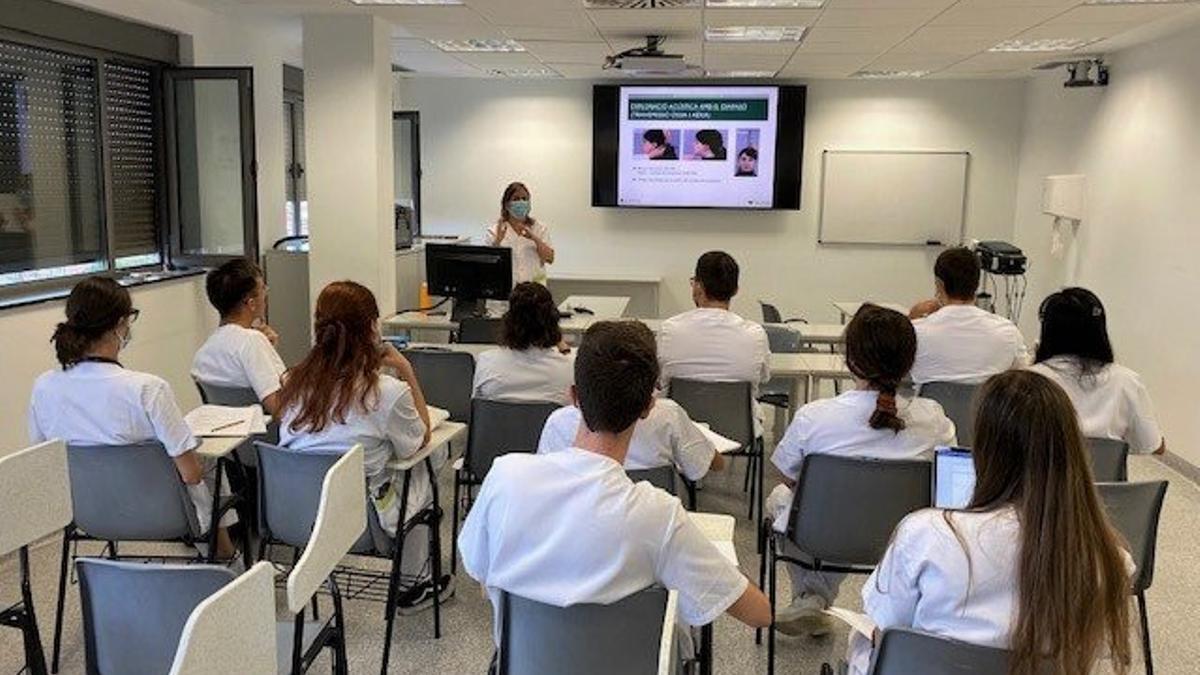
(519, 209)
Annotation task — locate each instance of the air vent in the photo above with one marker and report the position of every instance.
(640, 4)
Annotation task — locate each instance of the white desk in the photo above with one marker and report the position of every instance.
(817, 333)
(849, 309)
(416, 321)
(642, 290)
(717, 528)
(604, 307)
(217, 447)
(443, 434)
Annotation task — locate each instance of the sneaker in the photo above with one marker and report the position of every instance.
(805, 616)
(419, 598)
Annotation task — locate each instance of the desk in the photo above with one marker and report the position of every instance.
(642, 290)
(416, 321)
(219, 447)
(443, 434)
(604, 307)
(816, 333)
(848, 309)
(717, 528)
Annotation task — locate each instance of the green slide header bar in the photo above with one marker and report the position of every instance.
(676, 109)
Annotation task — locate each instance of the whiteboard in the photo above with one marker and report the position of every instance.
(900, 197)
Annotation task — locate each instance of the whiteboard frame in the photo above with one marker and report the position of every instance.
(962, 223)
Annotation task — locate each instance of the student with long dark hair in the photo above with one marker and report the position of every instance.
(1031, 565)
(870, 421)
(656, 145)
(95, 400)
(340, 396)
(1075, 352)
(710, 144)
(528, 238)
(530, 365)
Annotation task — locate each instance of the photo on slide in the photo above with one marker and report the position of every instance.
(747, 157)
(707, 144)
(656, 143)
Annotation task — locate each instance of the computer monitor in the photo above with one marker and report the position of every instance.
(953, 478)
(469, 274)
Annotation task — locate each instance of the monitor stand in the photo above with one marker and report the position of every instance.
(468, 308)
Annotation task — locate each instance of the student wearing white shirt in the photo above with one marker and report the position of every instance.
(532, 363)
(570, 527)
(94, 400)
(529, 239)
(340, 396)
(957, 341)
(1074, 351)
(870, 421)
(711, 342)
(241, 352)
(1031, 565)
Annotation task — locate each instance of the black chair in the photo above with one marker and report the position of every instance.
(1134, 509)
(771, 314)
(958, 400)
(1109, 460)
(478, 330)
(841, 519)
(497, 428)
(446, 378)
(726, 408)
(905, 651)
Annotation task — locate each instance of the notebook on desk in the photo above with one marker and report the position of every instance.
(437, 416)
(219, 420)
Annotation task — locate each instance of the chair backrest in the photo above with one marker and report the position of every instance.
(341, 521)
(783, 339)
(214, 394)
(1109, 460)
(134, 613)
(725, 406)
(501, 427)
(846, 508)
(446, 379)
(478, 330)
(1134, 509)
(129, 492)
(289, 494)
(770, 313)
(661, 477)
(35, 494)
(902, 652)
(584, 639)
(958, 400)
(232, 630)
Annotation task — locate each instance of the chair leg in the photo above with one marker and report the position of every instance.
(298, 644)
(762, 569)
(771, 572)
(746, 479)
(762, 472)
(341, 663)
(454, 525)
(35, 658)
(751, 475)
(63, 563)
(435, 549)
(394, 580)
(1146, 653)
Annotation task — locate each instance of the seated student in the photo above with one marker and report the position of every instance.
(957, 341)
(532, 364)
(666, 437)
(339, 396)
(869, 421)
(241, 352)
(710, 342)
(1031, 565)
(94, 400)
(1075, 352)
(570, 527)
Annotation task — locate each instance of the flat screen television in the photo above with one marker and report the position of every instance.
(697, 146)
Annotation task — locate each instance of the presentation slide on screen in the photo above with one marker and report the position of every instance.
(697, 146)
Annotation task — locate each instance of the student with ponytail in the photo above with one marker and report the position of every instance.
(1031, 565)
(94, 400)
(870, 421)
(340, 396)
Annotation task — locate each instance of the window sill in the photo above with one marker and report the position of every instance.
(128, 280)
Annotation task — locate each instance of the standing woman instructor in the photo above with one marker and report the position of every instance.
(529, 239)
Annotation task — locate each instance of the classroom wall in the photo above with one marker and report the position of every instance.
(476, 135)
(1137, 143)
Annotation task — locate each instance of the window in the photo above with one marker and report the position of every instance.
(134, 145)
(406, 146)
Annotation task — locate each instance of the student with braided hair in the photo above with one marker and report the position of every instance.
(869, 421)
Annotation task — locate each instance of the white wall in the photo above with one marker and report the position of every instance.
(1137, 143)
(477, 135)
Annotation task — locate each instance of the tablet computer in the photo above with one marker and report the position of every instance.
(953, 478)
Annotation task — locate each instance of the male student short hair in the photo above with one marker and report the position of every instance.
(231, 283)
(615, 373)
(717, 272)
(958, 270)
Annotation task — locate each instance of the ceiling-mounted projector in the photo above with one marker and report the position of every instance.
(648, 60)
(1079, 71)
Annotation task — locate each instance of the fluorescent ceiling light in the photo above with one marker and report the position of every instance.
(485, 45)
(1044, 45)
(524, 72)
(408, 2)
(774, 4)
(754, 33)
(740, 73)
(889, 74)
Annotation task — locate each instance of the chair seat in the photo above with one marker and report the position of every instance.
(775, 400)
(283, 641)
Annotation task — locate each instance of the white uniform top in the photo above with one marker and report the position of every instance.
(963, 343)
(716, 345)
(570, 527)
(667, 437)
(391, 429)
(234, 356)
(839, 426)
(928, 581)
(526, 263)
(533, 374)
(1111, 404)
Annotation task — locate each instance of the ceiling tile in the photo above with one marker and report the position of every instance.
(1125, 14)
(646, 21)
(427, 14)
(760, 17)
(933, 41)
(580, 34)
(929, 62)
(435, 64)
(452, 31)
(558, 18)
(825, 64)
(823, 39)
(487, 60)
(583, 71)
(569, 52)
(888, 4)
(866, 18)
(1020, 17)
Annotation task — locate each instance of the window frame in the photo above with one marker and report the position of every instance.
(414, 119)
(293, 100)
